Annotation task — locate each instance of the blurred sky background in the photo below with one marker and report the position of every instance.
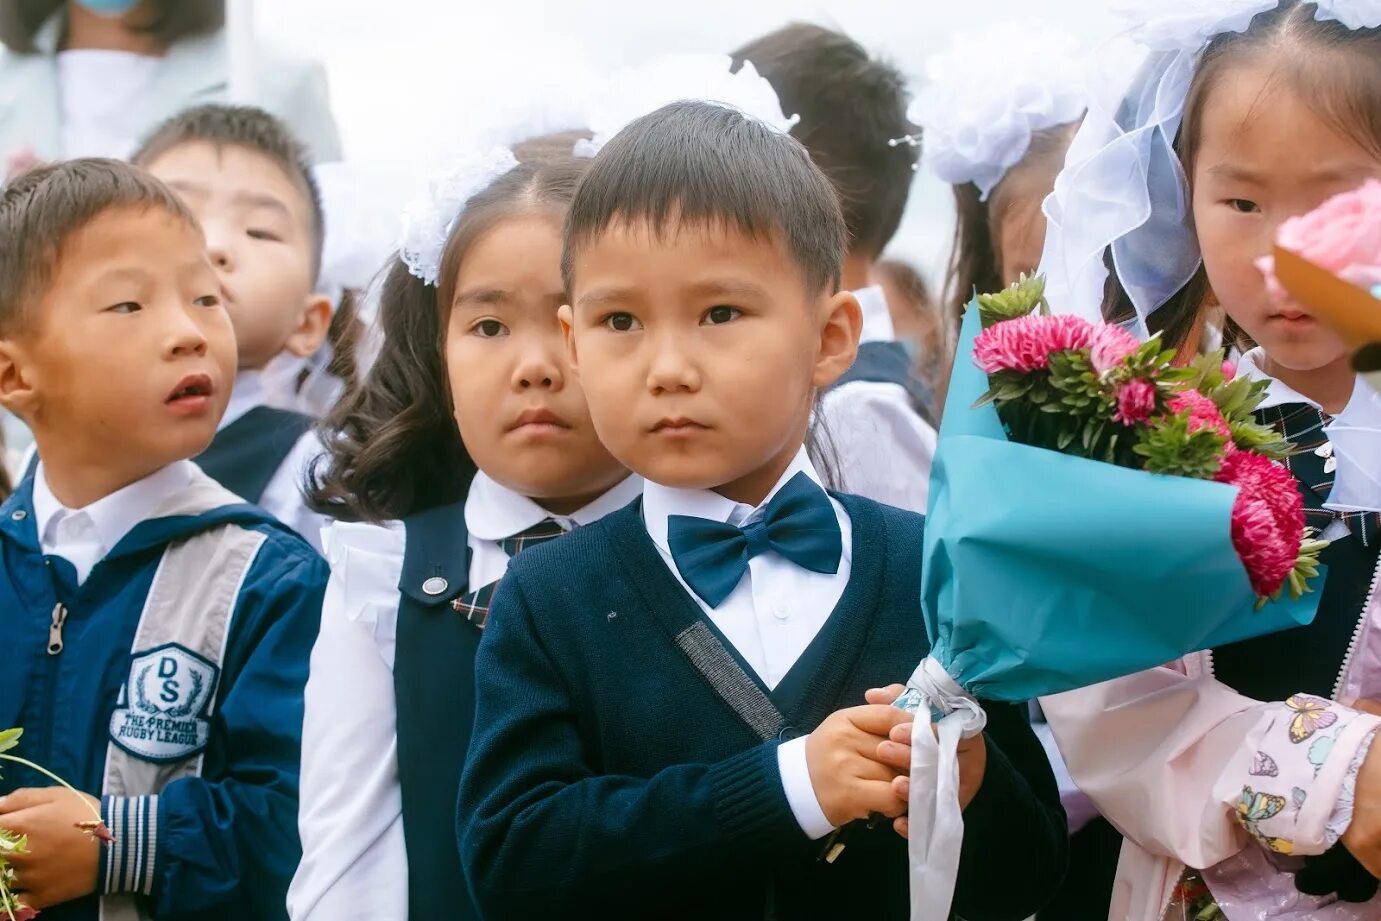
(411, 77)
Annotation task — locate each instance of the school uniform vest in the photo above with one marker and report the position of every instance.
(245, 455)
(434, 718)
(888, 363)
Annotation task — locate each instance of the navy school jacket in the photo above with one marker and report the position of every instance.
(220, 845)
(606, 777)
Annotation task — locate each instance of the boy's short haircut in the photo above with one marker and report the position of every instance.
(850, 106)
(43, 208)
(705, 163)
(249, 128)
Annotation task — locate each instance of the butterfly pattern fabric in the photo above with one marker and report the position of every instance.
(1254, 808)
(1263, 765)
(1311, 714)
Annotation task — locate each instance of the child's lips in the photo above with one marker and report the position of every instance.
(1293, 319)
(192, 395)
(678, 427)
(539, 421)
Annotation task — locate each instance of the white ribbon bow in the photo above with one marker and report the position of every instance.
(937, 822)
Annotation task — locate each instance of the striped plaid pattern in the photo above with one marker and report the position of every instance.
(474, 606)
(128, 863)
(1312, 465)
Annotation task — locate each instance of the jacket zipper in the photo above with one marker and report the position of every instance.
(55, 629)
(1357, 633)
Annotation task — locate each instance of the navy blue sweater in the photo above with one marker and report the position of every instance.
(606, 777)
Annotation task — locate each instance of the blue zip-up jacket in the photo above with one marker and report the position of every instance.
(220, 845)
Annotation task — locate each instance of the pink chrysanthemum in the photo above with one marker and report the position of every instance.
(1203, 413)
(1267, 518)
(1025, 344)
(1109, 346)
(25, 913)
(1229, 370)
(1136, 400)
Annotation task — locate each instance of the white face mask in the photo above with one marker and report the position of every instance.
(111, 9)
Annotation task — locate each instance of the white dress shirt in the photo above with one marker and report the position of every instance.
(354, 859)
(101, 100)
(84, 536)
(282, 498)
(773, 613)
(883, 446)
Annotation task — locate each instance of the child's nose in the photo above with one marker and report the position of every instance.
(538, 369)
(222, 256)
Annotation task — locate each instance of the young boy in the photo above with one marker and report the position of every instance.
(247, 179)
(154, 629)
(665, 720)
(879, 415)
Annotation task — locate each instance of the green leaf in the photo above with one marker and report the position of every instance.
(10, 738)
(1021, 299)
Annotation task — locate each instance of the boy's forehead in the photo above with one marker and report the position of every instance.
(127, 241)
(201, 168)
(631, 254)
(713, 237)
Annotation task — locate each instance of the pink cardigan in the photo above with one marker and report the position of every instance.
(1194, 774)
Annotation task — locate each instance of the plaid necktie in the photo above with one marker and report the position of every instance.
(475, 605)
(1314, 466)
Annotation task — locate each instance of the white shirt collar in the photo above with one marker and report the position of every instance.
(1361, 408)
(661, 502)
(112, 516)
(248, 393)
(494, 512)
(877, 319)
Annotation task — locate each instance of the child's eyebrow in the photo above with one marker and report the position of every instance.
(484, 297)
(606, 297)
(262, 200)
(1326, 173)
(730, 289)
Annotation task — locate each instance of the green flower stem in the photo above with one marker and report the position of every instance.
(24, 762)
(7, 898)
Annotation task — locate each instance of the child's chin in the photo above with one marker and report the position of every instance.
(1303, 355)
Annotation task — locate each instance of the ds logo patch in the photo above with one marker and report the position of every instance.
(163, 705)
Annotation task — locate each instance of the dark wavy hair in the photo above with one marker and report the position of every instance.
(392, 447)
(1337, 69)
(172, 21)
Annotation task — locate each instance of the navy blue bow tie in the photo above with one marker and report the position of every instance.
(798, 524)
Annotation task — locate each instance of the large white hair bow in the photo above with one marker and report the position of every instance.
(633, 92)
(989, 93)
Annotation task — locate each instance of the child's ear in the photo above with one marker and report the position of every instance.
(565, 315)
(312, 328)
(17, 391)
(838, 339)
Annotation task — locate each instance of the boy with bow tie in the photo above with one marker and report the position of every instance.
(666, 719)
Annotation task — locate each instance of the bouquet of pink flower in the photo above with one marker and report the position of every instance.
(1062, 383)
(1095, 511)
(11, 908)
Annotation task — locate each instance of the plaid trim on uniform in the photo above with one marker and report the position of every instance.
(1313, 466)
(475, 605)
